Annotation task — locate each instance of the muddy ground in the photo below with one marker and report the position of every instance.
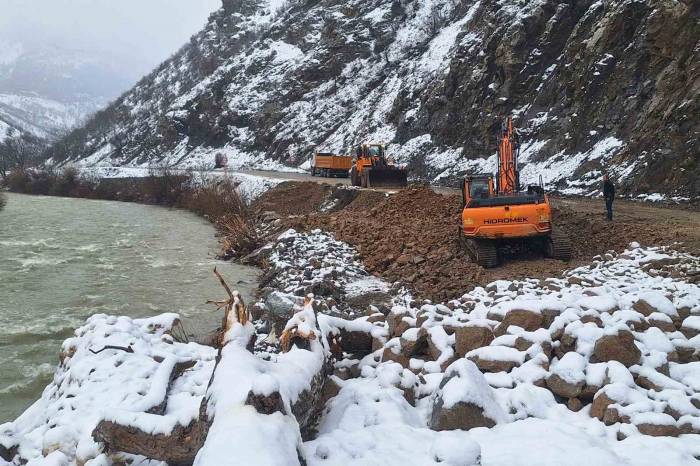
(411, 236)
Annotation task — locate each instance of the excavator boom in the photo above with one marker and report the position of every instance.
(508, 176)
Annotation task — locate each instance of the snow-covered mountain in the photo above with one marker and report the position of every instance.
(48, 91)
(595, 86)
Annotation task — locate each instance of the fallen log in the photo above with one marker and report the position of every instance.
(179, 445)
(177, 448)
(289, 387)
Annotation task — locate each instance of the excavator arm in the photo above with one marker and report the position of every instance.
(508, 151)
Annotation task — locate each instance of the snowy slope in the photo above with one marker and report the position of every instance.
(47, 91)
(42, 117)
(590, 84)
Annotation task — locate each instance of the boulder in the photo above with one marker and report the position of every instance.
(464, 400)
(651, 302)
(574, 404)
(657, 430)
(497, 357)
(280, 308)
(561, 387)
(620, 347)
(662, 322)
(691, 327)
(470, 338)
(522, 318)
(394, 354)
(600, 405)
(414, 343)
(356, 341)
(396, 324)
(656, 424)
(567, 377)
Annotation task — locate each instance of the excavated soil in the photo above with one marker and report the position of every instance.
(411, 236)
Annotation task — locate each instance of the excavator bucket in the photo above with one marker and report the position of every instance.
(386, 177)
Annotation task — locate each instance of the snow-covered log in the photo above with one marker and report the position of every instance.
(247, 399)
(177, 448)
(259, 408)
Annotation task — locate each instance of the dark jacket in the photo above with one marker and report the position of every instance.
(608, 190)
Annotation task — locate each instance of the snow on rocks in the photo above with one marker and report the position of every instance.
(114, 367)
(539, 344)
(464, 400)
(494, 377)
(567, 376)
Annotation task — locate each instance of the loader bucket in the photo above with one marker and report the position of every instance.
(386, 177)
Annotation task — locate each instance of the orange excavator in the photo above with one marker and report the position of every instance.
(371, 169)
(499, 218)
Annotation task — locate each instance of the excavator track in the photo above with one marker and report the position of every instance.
(482, 251)
(558, 246)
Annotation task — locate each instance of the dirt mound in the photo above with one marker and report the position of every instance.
(293, 198)
(411, 236)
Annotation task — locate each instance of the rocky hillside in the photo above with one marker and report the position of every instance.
(595, 86)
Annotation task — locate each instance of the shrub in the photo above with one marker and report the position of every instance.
(18, 181)
(215, 199)
(66, 183)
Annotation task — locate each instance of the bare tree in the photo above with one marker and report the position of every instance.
(20, 151)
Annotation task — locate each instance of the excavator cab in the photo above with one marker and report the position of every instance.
(498, 217)
(371, 169)
(476, 187)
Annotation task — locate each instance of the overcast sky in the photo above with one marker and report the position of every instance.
(136, 32)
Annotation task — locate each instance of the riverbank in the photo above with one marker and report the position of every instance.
(600, 362)
(599, 357)
(63, 260)
(221, 199)
(407, 235)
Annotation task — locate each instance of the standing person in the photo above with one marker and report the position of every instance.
(609, 195)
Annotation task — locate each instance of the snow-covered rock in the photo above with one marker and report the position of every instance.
(541, 386)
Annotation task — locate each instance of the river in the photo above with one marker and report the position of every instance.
(62, 260)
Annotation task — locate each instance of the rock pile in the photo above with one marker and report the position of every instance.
(362, 372)
(612, 339)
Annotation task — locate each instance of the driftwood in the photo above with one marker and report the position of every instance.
(233, 303)
(178, 448)
(293, 336)
(179, 368)
(308, 405)
(128, 349)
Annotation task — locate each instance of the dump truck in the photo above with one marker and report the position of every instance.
(328, 165)
(372, 169)
(499, 218)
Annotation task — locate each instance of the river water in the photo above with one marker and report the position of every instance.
(62, 260)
